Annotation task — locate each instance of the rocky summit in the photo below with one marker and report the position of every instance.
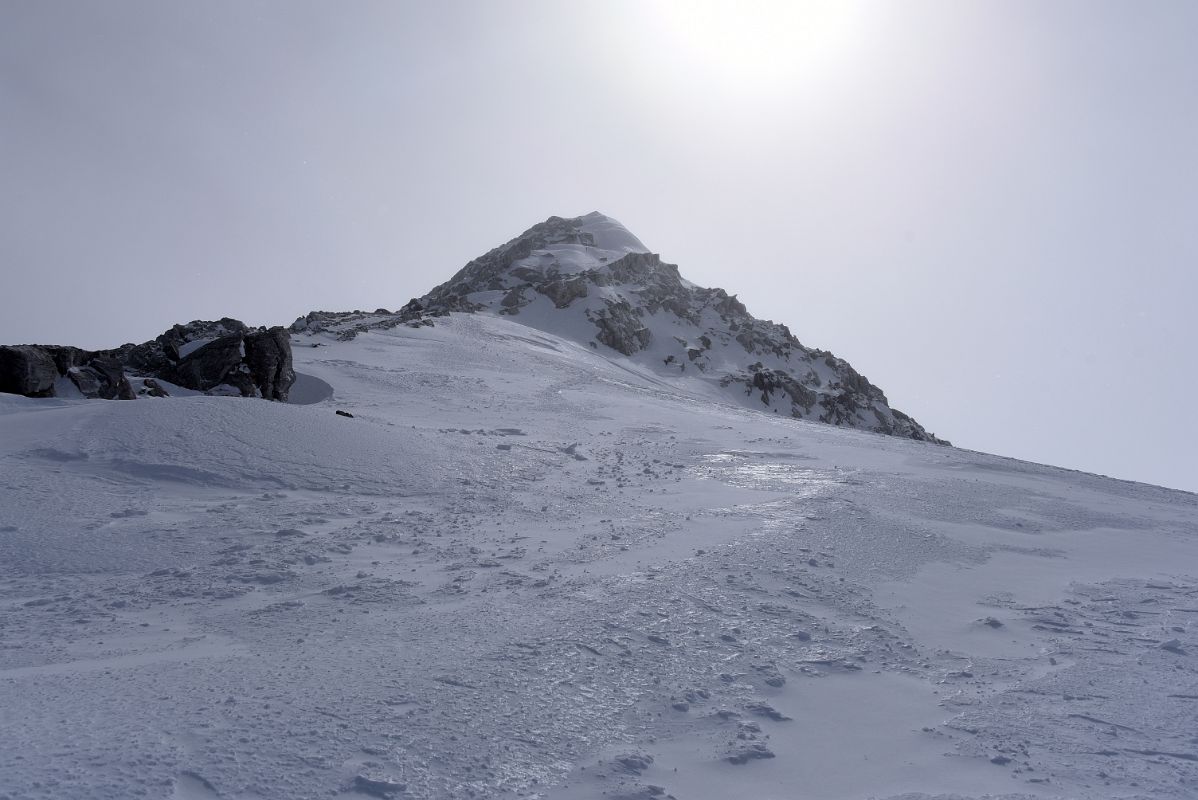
(591, 280)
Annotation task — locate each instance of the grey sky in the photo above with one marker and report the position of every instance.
(989, 208)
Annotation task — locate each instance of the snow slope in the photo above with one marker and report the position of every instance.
(527, 568)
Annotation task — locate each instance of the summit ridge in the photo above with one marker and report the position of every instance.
(589, 279)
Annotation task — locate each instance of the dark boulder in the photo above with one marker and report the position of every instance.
(771, 381)
(224, 356)
(268, 356)
(564, 291)
(33, 370)
(513, 301)
(213, 364)
(102, 379)
(729, 306)
(153, 388)
(146, 358)
(97, 376)
(27, 370)
(413, 307)
(158, 356)
(66, 357)
(219, 356)
(175, 341)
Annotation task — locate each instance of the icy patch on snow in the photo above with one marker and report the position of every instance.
(309, 390)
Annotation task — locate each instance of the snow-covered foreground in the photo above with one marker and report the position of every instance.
(523, 570)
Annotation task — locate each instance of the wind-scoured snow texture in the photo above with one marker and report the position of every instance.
(589, 279)
(526, 569)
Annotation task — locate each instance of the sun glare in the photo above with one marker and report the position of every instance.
(759, 45)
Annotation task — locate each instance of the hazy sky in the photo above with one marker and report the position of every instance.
(989, 208)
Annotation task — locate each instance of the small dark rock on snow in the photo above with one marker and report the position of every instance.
(749, 752)
(634, 763)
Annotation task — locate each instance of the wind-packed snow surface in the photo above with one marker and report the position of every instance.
(524, 568)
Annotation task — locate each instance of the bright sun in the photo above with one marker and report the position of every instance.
(756, 45)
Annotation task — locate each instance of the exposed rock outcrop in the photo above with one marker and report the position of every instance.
(27, 370)
(220, 357)
(37, 370)
(164, 352)
(268, 356)
(101, 378)
(348, 324)
(153, 388)
(620, 327)
(216, 363)
(565, 291)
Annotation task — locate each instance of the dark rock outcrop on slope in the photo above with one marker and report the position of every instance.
(217, 363)
(222, 356)
(27, 370)
(268, 356)
(164, 353)
(346, 325)
(101, 378)
(620, 327)
(36, 370)
(217, 357)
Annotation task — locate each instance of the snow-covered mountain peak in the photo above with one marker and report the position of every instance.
(591, 280)
(609, 235)
(555, 247)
